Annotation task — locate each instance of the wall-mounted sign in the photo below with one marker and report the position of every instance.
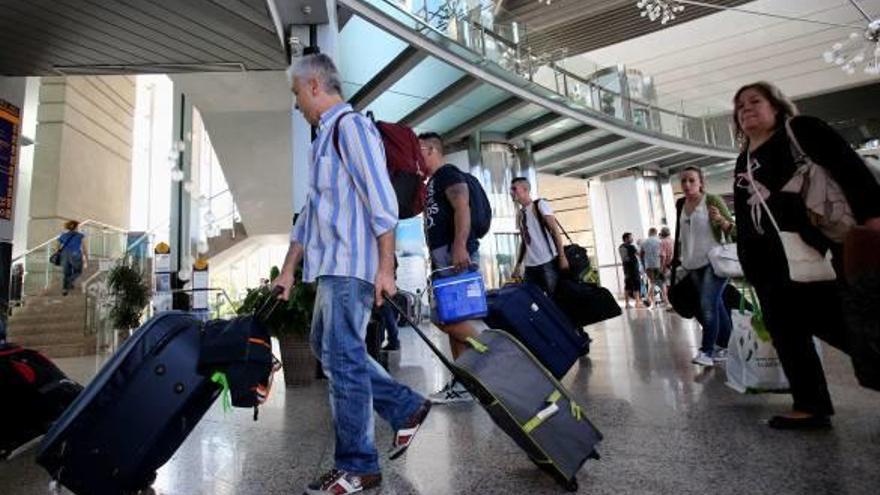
(10, 126)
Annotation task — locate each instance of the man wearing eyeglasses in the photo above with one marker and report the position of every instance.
(540, 249)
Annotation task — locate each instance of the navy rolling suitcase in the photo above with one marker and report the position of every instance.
(149, 396)
(132, 417)
(524, 311)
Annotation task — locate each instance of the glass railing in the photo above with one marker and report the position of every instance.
(101, 242)
(506, 45)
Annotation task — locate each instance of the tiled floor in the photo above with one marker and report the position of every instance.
(670, 428)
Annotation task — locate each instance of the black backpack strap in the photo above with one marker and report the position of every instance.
(542, 222)
(335, 135)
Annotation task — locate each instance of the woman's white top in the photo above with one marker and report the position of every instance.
(696, 237)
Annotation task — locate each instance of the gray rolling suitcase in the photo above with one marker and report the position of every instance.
(524, 400)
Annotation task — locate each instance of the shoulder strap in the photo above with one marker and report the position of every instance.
(796, 147)
(542, 222)
(676, 249)
(335, 135)
(67, 241)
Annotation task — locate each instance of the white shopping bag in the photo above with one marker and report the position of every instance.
(752, 363)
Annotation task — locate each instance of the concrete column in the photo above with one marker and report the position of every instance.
(326, 36)
(618, 207)
(181, 207)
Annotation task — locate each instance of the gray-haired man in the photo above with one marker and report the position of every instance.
(345, 236)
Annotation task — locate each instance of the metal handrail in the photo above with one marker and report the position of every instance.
(55, 239)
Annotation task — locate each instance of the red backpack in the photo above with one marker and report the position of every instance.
(406, 166)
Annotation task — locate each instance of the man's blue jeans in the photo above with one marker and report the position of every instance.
(713, 315)
(356, 382)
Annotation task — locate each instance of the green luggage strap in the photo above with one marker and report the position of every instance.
(220, 379)
(545, 413)
(477, 345)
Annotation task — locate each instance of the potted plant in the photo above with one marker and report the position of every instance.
(290, 323)
(130, 296)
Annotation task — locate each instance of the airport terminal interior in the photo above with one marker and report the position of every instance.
(154, 160)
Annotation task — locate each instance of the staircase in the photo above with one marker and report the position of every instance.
(52, 324)
(227, 239)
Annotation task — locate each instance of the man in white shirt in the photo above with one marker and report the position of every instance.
(540, 249)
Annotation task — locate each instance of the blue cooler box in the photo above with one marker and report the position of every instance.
(460, 297)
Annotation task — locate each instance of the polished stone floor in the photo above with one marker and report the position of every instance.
(670, 428)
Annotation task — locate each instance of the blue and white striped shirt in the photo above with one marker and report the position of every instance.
(350, 202)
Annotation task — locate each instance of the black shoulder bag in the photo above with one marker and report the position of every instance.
(683, 294)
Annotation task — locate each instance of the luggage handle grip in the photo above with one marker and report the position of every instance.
(471, 268)
(269, 305)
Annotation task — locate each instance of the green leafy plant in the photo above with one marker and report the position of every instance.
(130, 296)
(293, 317)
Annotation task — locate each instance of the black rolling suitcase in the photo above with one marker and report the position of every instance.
(35, 393)
(147, 399)
(525, 401)
(524, 311)
(585, 303)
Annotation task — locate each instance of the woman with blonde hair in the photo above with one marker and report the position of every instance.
(775, 142)
(72, 253)
(704, 222)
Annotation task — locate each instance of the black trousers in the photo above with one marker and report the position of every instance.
(794, 313)
(545, 276)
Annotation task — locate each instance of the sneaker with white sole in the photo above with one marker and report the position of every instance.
(703, 359)
(403, 437)
(339, 482)
(720, 355)
(451, 392)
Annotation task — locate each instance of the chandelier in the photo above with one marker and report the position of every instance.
(662, 10)
(858, 49)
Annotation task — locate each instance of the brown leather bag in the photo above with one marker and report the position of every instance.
(861, 252)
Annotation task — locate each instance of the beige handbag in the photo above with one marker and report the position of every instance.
(805, 263)
(826, 203)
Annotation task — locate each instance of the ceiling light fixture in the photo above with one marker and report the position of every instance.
(662, 10)
(860, 48)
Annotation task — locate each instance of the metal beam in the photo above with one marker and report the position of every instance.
(601, 161)
(699, 162)
(533, 126)
(562, 137)
(687, 158)
(483, 119)
(402, 64)
(575, 152)
(639, 159)
(441, 100)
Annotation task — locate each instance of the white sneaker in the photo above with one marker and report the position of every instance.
(720, 355)
(703, 359)
(451, 392)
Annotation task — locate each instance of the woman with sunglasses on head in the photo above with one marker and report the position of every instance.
(793, 311)
(703, 223)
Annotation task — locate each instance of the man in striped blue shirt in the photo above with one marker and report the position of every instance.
(345, 236)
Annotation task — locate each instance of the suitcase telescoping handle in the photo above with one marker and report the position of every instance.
(446, 362)
(268, 307)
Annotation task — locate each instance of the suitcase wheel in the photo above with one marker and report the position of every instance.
(571, 485)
